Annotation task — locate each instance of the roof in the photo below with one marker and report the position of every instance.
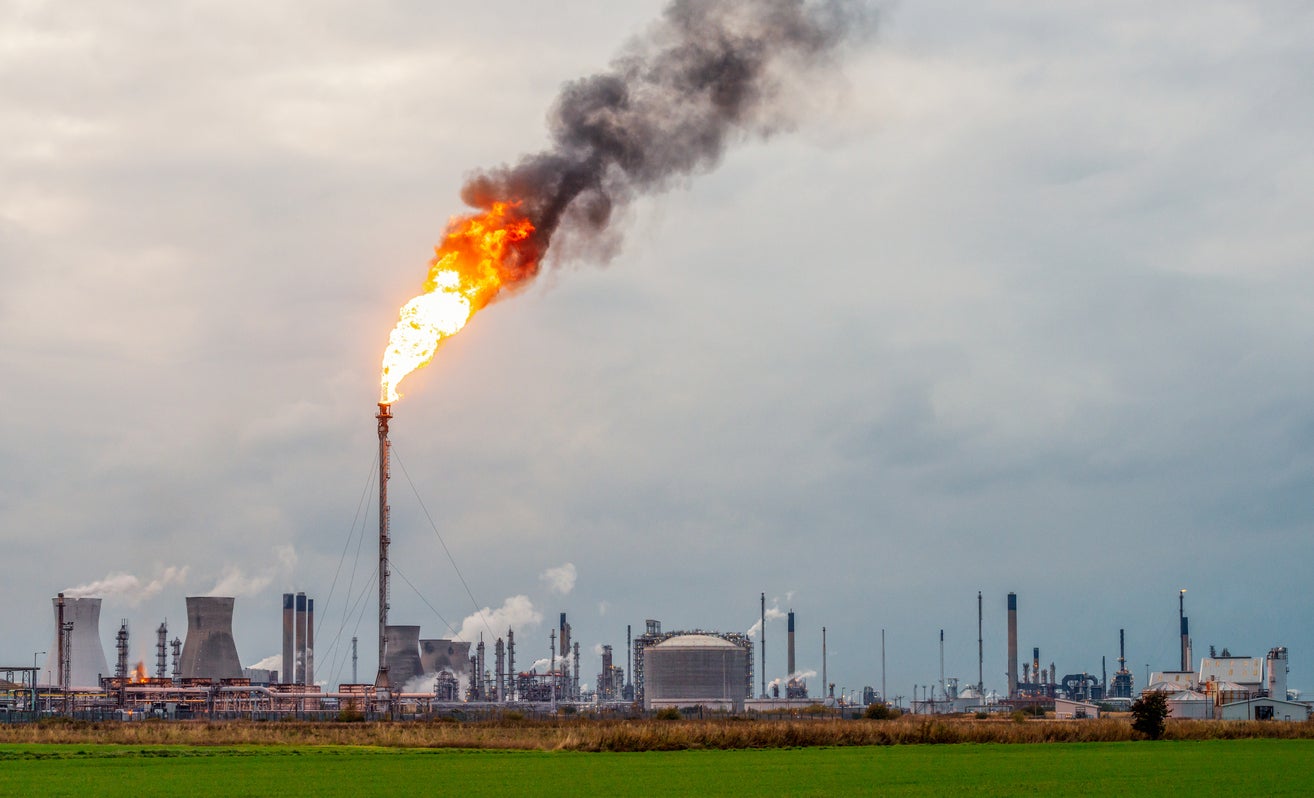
(695, 641)
(1266, 701)
(1187, 695)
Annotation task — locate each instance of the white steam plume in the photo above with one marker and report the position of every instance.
(516, 612)
(127, 587)
(772, 614)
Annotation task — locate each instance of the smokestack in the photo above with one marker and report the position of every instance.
(301, 638)
(825, 684)
(385, 413)
(209, 651)
(942, 690)
(310, 641)
(762, 639)
(288, 676)
(1186, 640)
(980, 652)
(76, 656)
(1035, 665)
(790, 655)
(1012, 645)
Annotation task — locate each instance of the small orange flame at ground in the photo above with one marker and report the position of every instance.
(139, 673)
(481, 255)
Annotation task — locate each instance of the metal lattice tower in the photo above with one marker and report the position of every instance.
(161, 654)
(121, 647)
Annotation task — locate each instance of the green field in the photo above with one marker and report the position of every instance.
(1268, 767)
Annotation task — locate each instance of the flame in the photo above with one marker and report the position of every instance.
(480, 256)
(138, 673)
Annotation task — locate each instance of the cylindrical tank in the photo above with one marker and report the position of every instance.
(695, 669)
(209, 651)
(1275, 673)
(87, 655)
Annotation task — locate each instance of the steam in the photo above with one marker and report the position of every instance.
(560, 579)
(708, 74)
(235, 582)
(127, 587)
(773, 613)
(515, 612)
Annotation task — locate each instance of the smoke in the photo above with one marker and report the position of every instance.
(772, 614)
(804, 675)
(515, 612)
(271, 663)
(127, 587)
(233, 582)
(708, 74)
(560, 579)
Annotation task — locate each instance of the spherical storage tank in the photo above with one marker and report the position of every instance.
(689, 670)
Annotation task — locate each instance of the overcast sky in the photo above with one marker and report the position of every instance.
(1024, 302)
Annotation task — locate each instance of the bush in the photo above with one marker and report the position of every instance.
(1019, 716)
(349, 715)
(670, 713)
(1149, 712)
(880, 712)
(982, 715)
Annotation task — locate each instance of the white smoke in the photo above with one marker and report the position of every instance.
(544, 663)
(803, 675)
(597, 649)
(603, 606)
(560, 579)
(516, 612)
(233, 582)
(273, 662)
(424, 683)
(127, 587)
(772, 614)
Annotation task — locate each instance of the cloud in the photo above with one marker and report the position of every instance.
(516, 612)
(128, 587)
(603, 606)
(560, 579)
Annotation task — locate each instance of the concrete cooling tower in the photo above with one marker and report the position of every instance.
(403, 654)
(87, 657)
(445, 655)
(209, 651)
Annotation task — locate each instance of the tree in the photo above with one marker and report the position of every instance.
(1148, 713)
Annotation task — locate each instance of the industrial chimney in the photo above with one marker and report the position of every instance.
(790, 655)
(310, 641)
(86, 656)
(300, 623)
(209, 651)
(1012, 645)
(289, 672)
(1186, 637)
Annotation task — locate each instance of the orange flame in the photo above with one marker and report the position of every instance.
(481, 255)
(139, 673)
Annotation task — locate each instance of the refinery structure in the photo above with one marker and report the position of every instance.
(695, 669)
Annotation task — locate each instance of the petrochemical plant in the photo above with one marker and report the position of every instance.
(417, 676)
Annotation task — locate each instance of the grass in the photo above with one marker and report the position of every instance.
(583, 734)
(1198, 768)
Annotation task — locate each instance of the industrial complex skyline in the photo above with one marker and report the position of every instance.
(1017, 301)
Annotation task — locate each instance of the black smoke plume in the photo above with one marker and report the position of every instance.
(708, 73)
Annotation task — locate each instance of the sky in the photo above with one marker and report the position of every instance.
(1020, 300)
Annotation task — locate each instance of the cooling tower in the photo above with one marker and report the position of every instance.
(403, 655)
(87, 657)
(440, 655)
(209, 651)
(1012, 645)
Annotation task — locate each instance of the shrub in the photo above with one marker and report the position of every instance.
(1149, 712)
(982, 715)
(880, 712)
(670, 713)
(349, 715)
(1019, 716)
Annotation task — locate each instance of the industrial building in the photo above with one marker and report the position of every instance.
(209, 651)
(705, 668)
(76, 659)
